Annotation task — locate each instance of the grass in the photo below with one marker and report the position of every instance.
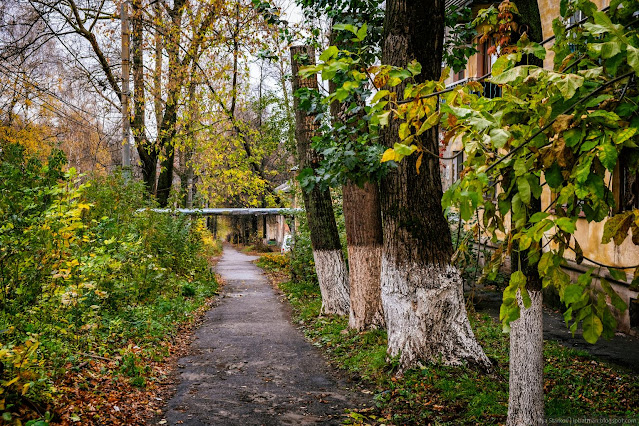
(576, 385)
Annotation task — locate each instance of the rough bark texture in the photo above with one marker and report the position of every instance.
(333, 280)
(362, 214)
(421, 292)
(364, 235)
(327, 249)
(526, 381)
(526, 391)
(146, 151)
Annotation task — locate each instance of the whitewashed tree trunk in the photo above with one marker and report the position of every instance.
(422, 293)
(327, 247)
(364, 234)
(426, 316)
(333, 281)
(366, 306)
(526, 384)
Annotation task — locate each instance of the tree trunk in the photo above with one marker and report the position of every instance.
(526, 364)
(147, 152)
(327, 249)
(362, 214)
(422, 292)
(364, 236)
(526, 381)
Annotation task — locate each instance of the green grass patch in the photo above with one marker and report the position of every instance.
(576, 384)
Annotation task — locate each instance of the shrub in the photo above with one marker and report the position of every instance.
(82, 271)
(274, 261)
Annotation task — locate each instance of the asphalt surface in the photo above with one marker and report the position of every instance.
(248, 365)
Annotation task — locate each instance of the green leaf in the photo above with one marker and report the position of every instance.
(595, 29)
(573, 136)
(404, 150)
(538, 217)
(592, 328)
(566, 224)
(460, 113)
(517, 279)
(525, 297)
(511, 75)
(623, 135)
(361, 33)
(429, 123)
(524, 242)
(616, 301)
(383, 118)
(404, 131)
(520, 166)
(329, 53)
(553, 176)
(502, 63)
(345, 27)
(610, 49)
(414, 67)
(569, 85)
(573, 293)
(608, 156)
(583, 169)
(617, 274)
(632, 55)
(499, 137)
(523, 188)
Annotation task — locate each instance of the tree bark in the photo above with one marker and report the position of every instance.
(327, 249)
(364, 236)
(362, 215)
(422, 292)
(146, 151)
(526, 379)
(526, 364)
(167, 130)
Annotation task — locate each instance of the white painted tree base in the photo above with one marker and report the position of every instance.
(364, 273)
(426, 316)
(526, 377)
(333, 281)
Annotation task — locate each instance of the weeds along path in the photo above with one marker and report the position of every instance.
(249, 366)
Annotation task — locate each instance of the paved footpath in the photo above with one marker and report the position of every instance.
(249, 366)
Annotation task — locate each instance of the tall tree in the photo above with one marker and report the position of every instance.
(526, 362)
(327, 249)
(362, 211)
(422, 292)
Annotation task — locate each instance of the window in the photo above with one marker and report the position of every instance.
(628, 185)
(460, 75)
(458, 164)
(625, 182)
(572, 22)
(485, 60)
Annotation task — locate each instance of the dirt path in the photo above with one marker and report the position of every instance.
(249, 366)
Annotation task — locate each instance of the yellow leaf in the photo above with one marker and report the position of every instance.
(418, 164)
(404, 131)
(389, 155)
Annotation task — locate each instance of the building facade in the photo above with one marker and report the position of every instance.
(623, 184)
